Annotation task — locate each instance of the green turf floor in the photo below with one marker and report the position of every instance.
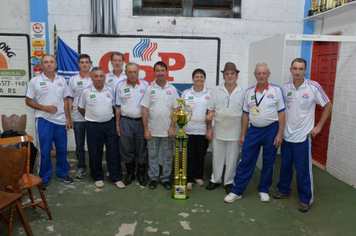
(80, 208)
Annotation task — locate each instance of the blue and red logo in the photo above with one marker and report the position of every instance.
(305, 96)
(60, 84)
(144, 49)
(169, 92)
(270, 96)
(207, 97)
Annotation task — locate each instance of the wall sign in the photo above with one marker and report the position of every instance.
(181, 54)
(14, 64)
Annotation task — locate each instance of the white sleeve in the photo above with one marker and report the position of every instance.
(71, 87)
(281, 106)
(211, 104)
(31, 90)
(145, 101)
(175, 96)
(66, 92)
(117, 96)
(246, 98)
(82, 99)
(320, 96)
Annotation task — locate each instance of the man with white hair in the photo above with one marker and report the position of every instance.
(262, 126)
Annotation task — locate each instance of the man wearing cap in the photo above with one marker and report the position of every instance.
(47, 93)
(129, 126)
(159, 100)
(117, 74)
(96, 105)
(76, 85)
(301, 96)
(262, 126)
(225, 106)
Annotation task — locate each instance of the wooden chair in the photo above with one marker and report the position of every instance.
(28, 180)
(12, 163)
(14, 122)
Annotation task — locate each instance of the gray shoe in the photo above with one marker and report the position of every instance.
(303, 207)
(80, 173)
(45, 186)
(66, 180)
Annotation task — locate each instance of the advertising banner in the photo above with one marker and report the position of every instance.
(14, 64)
(181, 54)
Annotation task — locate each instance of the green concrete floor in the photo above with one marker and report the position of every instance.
(82, 209)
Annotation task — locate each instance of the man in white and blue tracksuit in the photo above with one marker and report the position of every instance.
(301, 96)
(47, 93)
(264, 110)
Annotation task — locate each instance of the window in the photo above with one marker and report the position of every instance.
(188, 8)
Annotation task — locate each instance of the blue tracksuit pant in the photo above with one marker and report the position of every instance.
(254, 139)
(48, 132)
(299, 154)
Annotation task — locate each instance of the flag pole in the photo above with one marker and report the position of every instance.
(55, 43)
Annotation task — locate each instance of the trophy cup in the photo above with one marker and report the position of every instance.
(313, 10)
(181, 117)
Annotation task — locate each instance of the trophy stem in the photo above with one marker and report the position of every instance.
(176, 162)
(184, 161)
(180, 190)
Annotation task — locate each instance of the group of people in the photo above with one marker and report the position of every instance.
(132, 118)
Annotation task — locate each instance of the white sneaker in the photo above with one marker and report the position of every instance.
(264, 197)
(120, 184)
(231, 197)
(99, 184)
(108, 174)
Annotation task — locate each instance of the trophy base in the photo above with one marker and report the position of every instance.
(180, 192)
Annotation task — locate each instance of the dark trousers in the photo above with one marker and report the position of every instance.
(99, 134)
(197, 147)
(132, 141)
(79, 134)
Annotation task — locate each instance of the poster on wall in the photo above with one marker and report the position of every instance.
(14, 64)
(181, 54)
(38, 38)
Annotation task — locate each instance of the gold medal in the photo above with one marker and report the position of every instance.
(256, 111)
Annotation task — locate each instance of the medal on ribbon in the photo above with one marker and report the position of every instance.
(257, 110)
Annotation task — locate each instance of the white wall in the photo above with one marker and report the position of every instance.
(341, 160)
(260, 19)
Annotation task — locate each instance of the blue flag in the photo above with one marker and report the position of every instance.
(67, 60)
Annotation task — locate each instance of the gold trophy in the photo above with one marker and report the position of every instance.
(313, 10)
(181, 117)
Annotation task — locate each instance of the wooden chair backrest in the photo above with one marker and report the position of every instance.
(12, 164)
(14, 122)
(20, 140)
